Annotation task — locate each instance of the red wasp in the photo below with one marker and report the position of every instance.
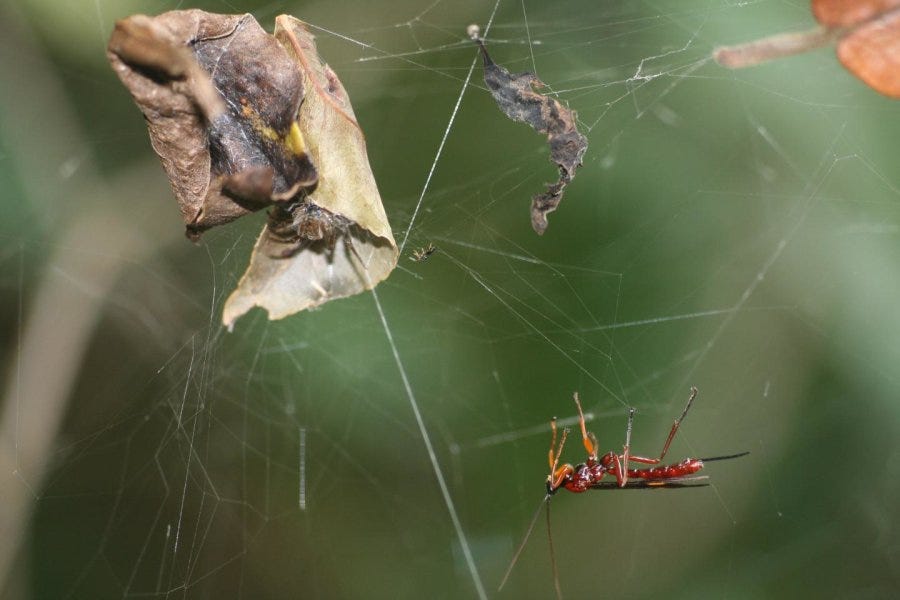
(589, 475)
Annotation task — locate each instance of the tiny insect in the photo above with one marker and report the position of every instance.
(589, 475)
(423, 254)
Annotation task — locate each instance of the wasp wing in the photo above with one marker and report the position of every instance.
(679, 482)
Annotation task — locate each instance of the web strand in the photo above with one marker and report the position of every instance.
(435, 465)
(440, 150)
(755, 265)
(525, 538)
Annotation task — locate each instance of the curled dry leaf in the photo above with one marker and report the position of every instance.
(338, 241)
(341, 242)
(867, 34)
(516, 96)
(220, 97)
(244, 120)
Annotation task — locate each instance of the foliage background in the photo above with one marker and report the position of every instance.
(734, 231)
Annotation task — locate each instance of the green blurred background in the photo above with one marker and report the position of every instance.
(737, 231)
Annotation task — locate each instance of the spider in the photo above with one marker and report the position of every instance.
(423, 254)
(304, 225)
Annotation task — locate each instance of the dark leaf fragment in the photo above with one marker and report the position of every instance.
(516, 96)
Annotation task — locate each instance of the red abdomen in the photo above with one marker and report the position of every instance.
(688, 466)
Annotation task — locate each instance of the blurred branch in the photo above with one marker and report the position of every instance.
(777, 46)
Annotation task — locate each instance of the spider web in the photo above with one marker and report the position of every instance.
(737, 231)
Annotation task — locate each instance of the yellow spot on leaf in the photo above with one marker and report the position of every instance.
(294, 140)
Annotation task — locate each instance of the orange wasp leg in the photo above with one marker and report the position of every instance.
(557, 476)
(672, 432)
(587, 437)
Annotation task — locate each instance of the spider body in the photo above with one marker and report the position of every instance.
(305, 225)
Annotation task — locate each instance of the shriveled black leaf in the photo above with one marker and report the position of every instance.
(516, 96)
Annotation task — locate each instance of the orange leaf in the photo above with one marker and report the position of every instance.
(845, 13)
(867, 34)
(872, 53)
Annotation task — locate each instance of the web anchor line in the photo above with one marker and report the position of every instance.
(440, 149)
(432, 456)
(426, 439)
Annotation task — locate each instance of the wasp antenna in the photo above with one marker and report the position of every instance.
(553, 556)
(521, 547)
(727, 457)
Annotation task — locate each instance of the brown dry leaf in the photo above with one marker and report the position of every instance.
(242, 120)
(337, 242)
(867, 34)
(220, 97)
(516, 96)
